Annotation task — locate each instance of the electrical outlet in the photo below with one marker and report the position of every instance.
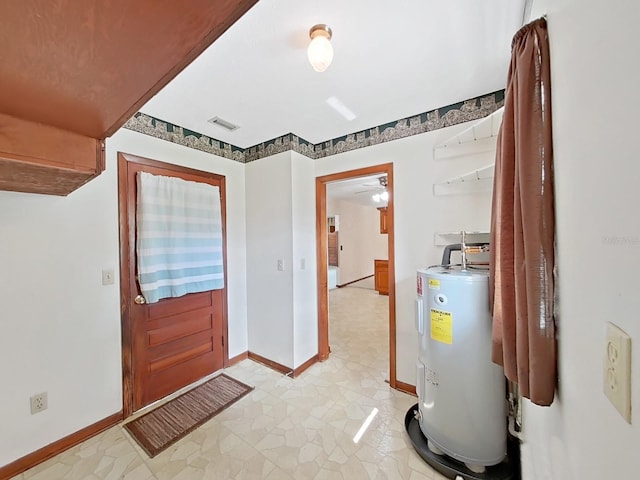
(280, 265)
(39, 402)
(617, 370)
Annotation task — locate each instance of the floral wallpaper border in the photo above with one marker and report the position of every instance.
(154, 127)
(279, 145)
(468, 110)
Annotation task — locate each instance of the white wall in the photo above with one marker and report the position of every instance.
(305, 295)
(60, 326)
(282, 305)
(269, 239)
(64, 326)
(418, 215)
(594, 80)
(360, 239)
(332, 206)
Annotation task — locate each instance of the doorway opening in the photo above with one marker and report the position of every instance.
(322, 230)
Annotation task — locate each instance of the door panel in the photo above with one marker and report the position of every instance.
(176, 341)
(185, 324)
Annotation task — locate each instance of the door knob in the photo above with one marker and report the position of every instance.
(140, 300)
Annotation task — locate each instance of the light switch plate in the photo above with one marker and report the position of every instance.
(617, 370)
(107, 276)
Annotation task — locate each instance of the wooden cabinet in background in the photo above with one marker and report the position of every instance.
(383, 219)
(37, 158)
(381, 276)
(332, 251)
(75, 72)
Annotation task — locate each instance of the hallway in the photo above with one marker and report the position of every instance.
(359, 329)
(300, 428)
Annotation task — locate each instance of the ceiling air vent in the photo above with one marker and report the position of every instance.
(223, 123)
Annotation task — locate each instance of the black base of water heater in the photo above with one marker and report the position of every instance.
(509, 469)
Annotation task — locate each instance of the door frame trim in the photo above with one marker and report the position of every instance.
(127, 251)
(322, 260)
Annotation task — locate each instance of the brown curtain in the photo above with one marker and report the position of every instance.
(522, 223)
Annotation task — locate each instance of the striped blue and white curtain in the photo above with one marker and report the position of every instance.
(179, 237)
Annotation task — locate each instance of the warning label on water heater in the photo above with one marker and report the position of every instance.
(441, 326)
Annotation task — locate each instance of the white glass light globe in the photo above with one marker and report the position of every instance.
(320, 53)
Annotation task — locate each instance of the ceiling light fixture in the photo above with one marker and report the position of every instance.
(380, 197)
(320, 51)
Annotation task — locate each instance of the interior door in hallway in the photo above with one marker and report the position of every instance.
(176, 341)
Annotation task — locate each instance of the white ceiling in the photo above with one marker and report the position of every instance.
(357, 190)
(392, 60)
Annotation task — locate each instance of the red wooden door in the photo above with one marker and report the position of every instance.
(172, 343)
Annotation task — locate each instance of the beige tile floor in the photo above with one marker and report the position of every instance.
(300, 428)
